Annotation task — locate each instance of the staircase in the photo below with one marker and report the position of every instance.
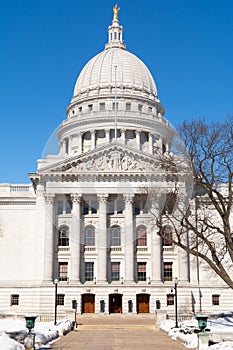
(116, 321)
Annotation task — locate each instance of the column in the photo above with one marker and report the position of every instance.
(156, 257)
(49, 238)
(123, 136)
(102, 239)
(129, 239)
(138, 139)
(107, 136)
(80, 143)
(150, 143)
(92, 139)
(75, 238)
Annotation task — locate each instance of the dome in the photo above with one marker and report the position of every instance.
(118, 67)
(115, 67)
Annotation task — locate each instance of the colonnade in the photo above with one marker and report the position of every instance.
(75, 239)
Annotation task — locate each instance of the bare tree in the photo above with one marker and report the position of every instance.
(201, 223)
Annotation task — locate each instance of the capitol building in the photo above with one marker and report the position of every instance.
(85, 225)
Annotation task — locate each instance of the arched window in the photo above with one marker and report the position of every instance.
(63, 236)
(89, 234)
(167, 236)
(141, 236)
(115, 235)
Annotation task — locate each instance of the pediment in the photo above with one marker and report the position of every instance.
(109, 159)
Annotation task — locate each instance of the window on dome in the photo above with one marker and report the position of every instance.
(80, 109)
(119, 36)
(115, 36)
(102, 106)
(140, 108)
(90, 108)
(149, 109)
(115, 106)
(128, 106)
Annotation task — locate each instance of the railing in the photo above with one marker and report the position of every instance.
(89, 249)
(116, 249)
(63, 249)
(142, 249)
(168, 248)
(20, 188)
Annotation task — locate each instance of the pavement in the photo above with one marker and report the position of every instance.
(116, 332)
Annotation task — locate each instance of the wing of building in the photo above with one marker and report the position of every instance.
(86, 220)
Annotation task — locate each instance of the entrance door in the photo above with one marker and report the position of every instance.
(115, 303)
(143, 302)
(88, 303)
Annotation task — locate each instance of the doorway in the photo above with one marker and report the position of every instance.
(88, 303)
(143, 303)
(115, 303)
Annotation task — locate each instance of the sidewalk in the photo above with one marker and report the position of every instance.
(132, 333)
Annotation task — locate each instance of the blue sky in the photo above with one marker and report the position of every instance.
(186, 44)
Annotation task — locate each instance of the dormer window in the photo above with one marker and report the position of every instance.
(140, 108)
(80, 109)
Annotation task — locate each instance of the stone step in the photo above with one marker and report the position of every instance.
(116, 326)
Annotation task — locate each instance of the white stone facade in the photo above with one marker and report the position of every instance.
(86, 218)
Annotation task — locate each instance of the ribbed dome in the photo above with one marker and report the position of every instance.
(100, 73)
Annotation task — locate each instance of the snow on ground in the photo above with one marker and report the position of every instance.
(220, 328)
(45, 333)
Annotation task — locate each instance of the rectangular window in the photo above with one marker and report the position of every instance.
(60, 299)
(94, 206)
(115, 268)
(136, 208)
(63, 271)
(68, 206)
(80, 109)
(85, 208)
(170, 299)
(141, 271)
(59, 207)
(215, 299)
(140, 108)
(111, 208)
(128, 106)
(102, 106)
(120, 206)
(145, 206)
(89, 271)
(14, 299)
(113, 106)
(167, 271)
(150, 109)
(90, 108)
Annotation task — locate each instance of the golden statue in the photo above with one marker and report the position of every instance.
(116, 9)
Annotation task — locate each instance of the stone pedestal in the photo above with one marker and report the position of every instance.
(203, 341)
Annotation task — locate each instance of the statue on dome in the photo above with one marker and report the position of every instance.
(116, 9)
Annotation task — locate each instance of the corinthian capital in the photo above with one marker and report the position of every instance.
(49, 198)
(76, 197)
(102, 197)
(128, 198)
